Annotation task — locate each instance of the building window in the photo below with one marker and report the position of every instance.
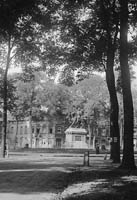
(77, 138)
(33, 129)
(100, 131)
(103, 132)
(26, 130)
(21, 130)
(50, 130)
(12, 130)
(58, 129)
(44, 128)
(38, 131)
(107, 132)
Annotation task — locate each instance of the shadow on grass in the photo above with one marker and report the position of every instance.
(29, 182)
(34, 176)
(112, 184)
(125, 192)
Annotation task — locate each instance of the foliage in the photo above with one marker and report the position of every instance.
(11, 98)
(84, 31)
(19, 26)
(89, 99)
(77, 103)
(27, 95)
(67, 76)
(56, 98)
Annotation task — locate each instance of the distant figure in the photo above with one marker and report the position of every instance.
(97, 148)
(6, 150)
(105, 157)
(103, 147)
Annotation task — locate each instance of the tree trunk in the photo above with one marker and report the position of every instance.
(30, 128)
(114, 107)
(4, 132)
(121, 131)
(128, 161)
(15, 143)
(90, 132)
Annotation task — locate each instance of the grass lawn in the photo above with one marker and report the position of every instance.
(102, 185)
(37, 177)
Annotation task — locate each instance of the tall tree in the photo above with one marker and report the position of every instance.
(19, 24)
(90, 29)
(7, 30)
(128, 161)
(28, 95)
(111, 32)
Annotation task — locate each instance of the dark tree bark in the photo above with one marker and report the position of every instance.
(16, 138)
(111, 29)
(30, 127)
(5, 90)
(128, 161)
(4, 130)
(114, 107)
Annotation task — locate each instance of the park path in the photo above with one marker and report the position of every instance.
(37, 196)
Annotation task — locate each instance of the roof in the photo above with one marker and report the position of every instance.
(76, 130)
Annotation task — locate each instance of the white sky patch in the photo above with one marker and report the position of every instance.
(135, 69)
(58, 75)
(14, 70)
(84, 14)
(134, 81)
(132, 33)
(102, 74)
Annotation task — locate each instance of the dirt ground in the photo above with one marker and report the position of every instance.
(63, 177)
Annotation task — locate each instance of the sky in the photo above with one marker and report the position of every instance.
(13, 70)
(18, 70)
(135, 70)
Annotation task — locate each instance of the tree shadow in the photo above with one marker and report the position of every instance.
(112, 184)
(34, 176)
(33, 181)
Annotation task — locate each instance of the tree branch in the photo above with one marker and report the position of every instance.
(116, 33)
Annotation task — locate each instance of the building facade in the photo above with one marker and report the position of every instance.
(42, 134)
(51, 133)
